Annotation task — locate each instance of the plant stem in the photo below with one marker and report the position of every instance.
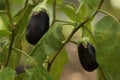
(10, 47)
(101, 73)
(105, 73)
(71, 35)
(54, 12)
(64, 21)
(107, 13)
(68, 24)
(24, 53)
(100, 5)
(13, 31)
(22, 14)
(8, 12)
(70, 4)
(3, 11)
(90, 32)
(26, 3)
(73, 42)
(34, 2)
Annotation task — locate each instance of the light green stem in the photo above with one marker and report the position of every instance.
(25, 54)
(109, 14)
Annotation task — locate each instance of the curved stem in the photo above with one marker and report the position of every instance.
(101, 73)
(73, 42)
(70, 4)
(90, 32)
(107, 13)
(64, 21)
(22, 14)
(24, 53)
(71, 35)
(68, 24)
(106, 75)
(54, 12)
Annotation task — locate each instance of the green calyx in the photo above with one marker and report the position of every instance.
(84, 40)
(40, 6)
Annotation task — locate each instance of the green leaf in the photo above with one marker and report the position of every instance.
(107, 39)
(3, 55)
(58, 2)
(49, 43)
(4, 50)
(81, 13)
(16, 6)
(87, 9)
(23, 16)
(4, 33)
(58, 65)
(91, 6)
(3, 43)
(38, 72)
(14, 59)
(4, 39)
(87, 31)
(69, 11)
(7, 74)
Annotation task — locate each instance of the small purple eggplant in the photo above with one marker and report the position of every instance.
(37, 26)
(87, 57)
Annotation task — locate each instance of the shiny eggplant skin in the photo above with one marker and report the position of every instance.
(37, 26)
(87, 57)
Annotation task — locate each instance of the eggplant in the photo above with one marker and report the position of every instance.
(87, 57)
(37, 26)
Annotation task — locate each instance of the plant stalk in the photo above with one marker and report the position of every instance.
(10, 47)
(54, 12)
(8, 11)
(13, 26)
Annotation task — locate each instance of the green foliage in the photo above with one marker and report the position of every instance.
(91, 6)
(60, 62)
(22, 16)
(37, 73)
(58, 2)
(105, 36)
(69, 11)
(7, 74)
(4, 41)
